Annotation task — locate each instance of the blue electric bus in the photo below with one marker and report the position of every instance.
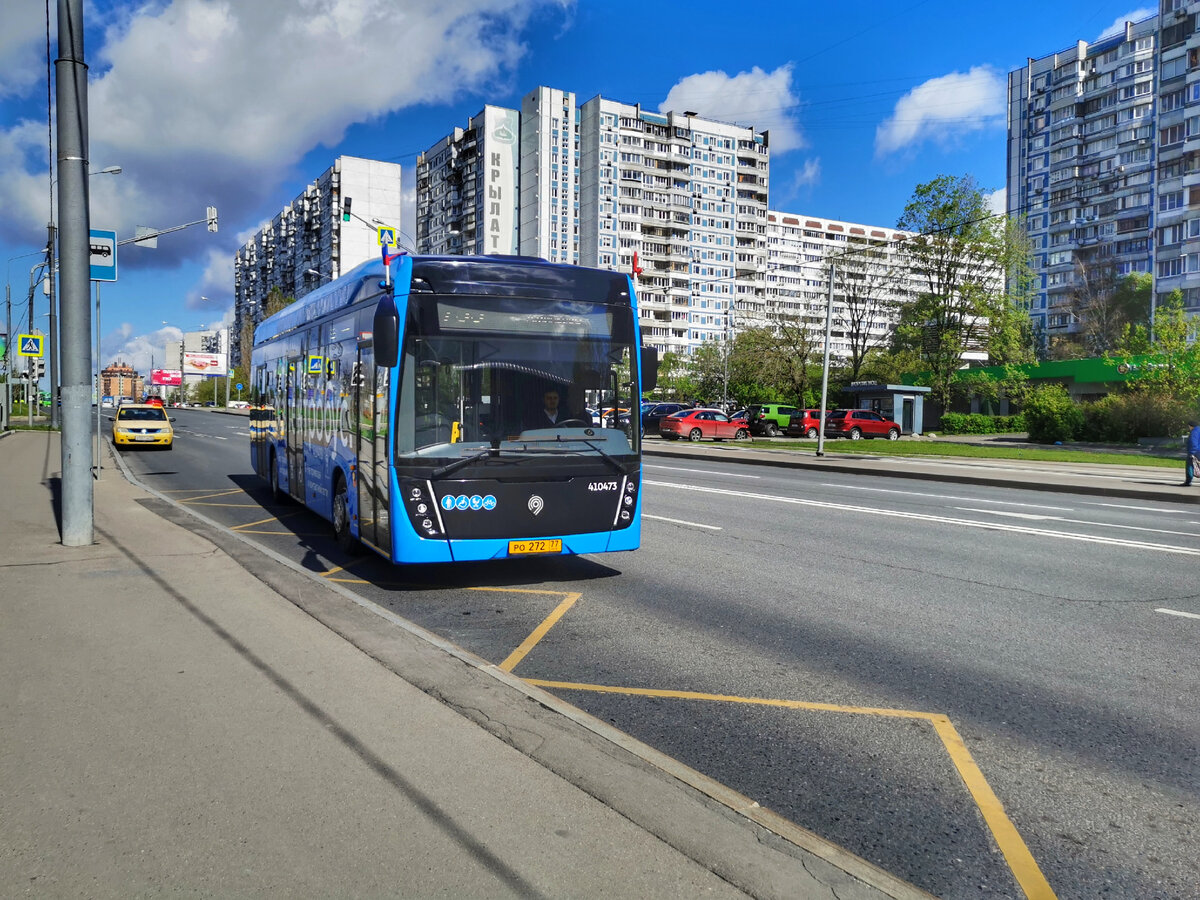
(408, 411)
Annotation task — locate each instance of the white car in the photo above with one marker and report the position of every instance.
(237, 404)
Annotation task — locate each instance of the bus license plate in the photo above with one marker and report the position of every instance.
(524, 547)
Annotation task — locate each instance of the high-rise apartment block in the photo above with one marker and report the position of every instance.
(597, 184)
(1102, 166)
(308, 244)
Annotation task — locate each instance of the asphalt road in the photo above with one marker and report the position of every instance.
(982, 690)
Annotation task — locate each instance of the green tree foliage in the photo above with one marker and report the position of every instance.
(1051, 416)
(975, 277)
(1111, 310)
(1173, 370)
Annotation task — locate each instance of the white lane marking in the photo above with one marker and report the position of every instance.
(859, 487)
(944, 520)
(701, 471)
(1014, 515)
(999, 512)
(1153, 509)
(681, 522)
(1175, 612)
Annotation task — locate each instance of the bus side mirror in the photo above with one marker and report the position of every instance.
(649, 369)
(386, 334)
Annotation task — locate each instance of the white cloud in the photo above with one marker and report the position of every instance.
(808, 174)
(943, 109)
(763, 100)
(208, 102)
(23, 46)
(1118, 26)
(997, 201)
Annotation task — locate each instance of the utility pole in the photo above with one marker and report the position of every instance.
(52, 337)
(76, 354)
(825, 364)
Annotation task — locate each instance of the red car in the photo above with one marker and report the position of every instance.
(860, 423)
(698, 424)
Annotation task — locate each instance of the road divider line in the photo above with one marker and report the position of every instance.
(681, 522)
(701, 471)
(540, 632)
(1018, 515)
(943, 520)
(1016, 853)
(860, 487)
(1177, 612)
(1153, 509)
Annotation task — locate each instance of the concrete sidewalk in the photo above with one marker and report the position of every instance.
(172, 724)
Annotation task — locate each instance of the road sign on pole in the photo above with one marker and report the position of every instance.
(103, 245)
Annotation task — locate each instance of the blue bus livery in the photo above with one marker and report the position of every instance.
(409, 412)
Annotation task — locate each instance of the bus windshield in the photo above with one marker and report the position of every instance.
(516, 377)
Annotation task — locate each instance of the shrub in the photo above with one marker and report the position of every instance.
(1051, 415)
(1123, 418)
(978, 423)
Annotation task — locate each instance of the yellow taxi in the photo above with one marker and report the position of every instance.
(142, 425)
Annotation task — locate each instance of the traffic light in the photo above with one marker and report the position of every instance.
(346, 209)
(212, 218)
(37, 367)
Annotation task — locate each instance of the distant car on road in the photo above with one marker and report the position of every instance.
(805, 423)
(142, 425)
(860, 423)
(770, 418)
(698, 424)
(212, 403)
(238, 404)
(653, 415)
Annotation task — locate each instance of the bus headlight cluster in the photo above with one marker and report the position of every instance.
(422, 509)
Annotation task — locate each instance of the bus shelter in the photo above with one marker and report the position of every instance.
(902, 403)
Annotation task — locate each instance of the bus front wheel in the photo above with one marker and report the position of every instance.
(346, 541)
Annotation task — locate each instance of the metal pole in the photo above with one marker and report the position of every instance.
(8, 338)
(52, 337)
(74, 255)
(97, 457)
(825, 364)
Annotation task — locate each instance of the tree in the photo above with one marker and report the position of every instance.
(1105, 304)
(975, 277)
(870, 283)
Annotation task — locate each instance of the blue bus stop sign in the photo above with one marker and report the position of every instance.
(103, 246)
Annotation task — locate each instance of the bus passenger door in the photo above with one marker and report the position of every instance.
(294, 429)
(372, 414)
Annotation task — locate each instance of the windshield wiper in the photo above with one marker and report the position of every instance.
(465, 461)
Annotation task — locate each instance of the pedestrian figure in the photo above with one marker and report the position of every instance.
(1193, 452)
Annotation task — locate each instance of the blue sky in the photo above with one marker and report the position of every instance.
(239, 103)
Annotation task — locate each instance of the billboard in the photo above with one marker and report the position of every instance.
(211, 364)
(168, 377)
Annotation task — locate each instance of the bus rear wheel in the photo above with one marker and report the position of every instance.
(345, 540)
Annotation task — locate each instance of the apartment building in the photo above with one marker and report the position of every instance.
(597, 184)
(1101, 165)
(688, 196)
(119, 379)
(308, 244)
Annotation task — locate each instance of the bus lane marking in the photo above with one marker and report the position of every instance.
(569, 598)
(1016, 852)
(875, 490)
(702, 472)
(1017, 515)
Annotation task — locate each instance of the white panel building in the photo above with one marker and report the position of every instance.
(307, 244)
(549, 217)
(1101, 162)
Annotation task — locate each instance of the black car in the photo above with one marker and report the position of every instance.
(656, 413)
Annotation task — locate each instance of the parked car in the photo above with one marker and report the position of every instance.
(769, 418)
(142, 425)
(860, 423)
(653, 415)
(698, 424)
(805, 423)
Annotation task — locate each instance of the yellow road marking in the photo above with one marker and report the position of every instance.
(1020, 861)
(1016, 853)
(333, 571)
(569, 598)
(305, 534)
(215, 494)
(263, 522)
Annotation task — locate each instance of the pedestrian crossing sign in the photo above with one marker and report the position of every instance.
(316, 365)
(30, 345)
(387, 235)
